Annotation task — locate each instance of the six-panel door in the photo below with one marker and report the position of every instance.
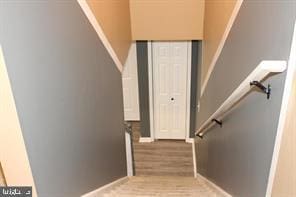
(170, 68)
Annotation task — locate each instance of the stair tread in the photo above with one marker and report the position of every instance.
(159, 186)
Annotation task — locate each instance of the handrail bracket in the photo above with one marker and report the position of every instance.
(217, 121)
(199, 135)
(266, 90)
(255, 78)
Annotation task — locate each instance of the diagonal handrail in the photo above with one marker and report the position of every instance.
(256, 76)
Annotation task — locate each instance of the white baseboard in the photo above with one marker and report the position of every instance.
(194, 158)
(146, 139)
(189, 140)
(223, 192)
(149, 139)
(100, 191)
(129, 157)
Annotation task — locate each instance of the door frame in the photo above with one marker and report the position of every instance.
(151, 91)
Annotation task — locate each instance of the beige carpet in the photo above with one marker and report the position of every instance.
(145, 186)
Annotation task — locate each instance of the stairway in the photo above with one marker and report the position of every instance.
(146, 186)
(162, 168)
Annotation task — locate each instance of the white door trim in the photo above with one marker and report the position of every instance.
(188, 92)
(150, 78)
(151, 96)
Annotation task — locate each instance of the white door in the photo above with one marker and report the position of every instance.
(170, 69)
(130, 86)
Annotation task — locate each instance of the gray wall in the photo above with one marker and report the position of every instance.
(68, 95)
(143, 79)
(237, 157)
(195, 65)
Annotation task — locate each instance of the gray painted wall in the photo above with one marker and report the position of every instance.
(237, 157)
(68, 95)
(195, 64)
(143, 79)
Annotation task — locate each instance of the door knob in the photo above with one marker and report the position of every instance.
(172, 99)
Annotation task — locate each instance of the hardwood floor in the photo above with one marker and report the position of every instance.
(146, 186)
(162, 157)
(162, 168)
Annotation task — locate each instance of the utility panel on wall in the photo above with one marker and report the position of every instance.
(167, 19)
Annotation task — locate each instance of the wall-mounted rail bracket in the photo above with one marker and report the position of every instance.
(217, 121)
(200, 136)
(266, 90)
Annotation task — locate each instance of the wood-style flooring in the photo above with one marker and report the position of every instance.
(162, 168)
(162, 157)
(146, 186)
